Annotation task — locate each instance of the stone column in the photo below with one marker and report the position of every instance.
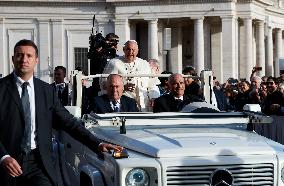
(198, 45)
(269, 71)
(207, 45)
(57, 44)
(237, 61)
(216, 51)
(260, 47)
(153, 39)
(229, 47)
(3, 61)
(278, 54)
(122, 28)
(44, 50)
(176, 51)
(248, 47)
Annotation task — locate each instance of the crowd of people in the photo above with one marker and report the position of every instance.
(159, 94)
(265, 91)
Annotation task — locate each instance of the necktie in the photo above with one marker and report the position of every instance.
(178, 101)
(179, 104)
(60, 88)
(26, 142)
(115, 106)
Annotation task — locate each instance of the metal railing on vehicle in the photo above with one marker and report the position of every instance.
(206, 79)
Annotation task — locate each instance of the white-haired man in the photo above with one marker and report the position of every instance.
(255, 93)
(142, 89)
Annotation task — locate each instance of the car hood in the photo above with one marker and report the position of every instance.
(174, 142)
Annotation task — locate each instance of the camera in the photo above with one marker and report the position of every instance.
(232, 81)
(258, 68)
(101, 50)
(102, 46)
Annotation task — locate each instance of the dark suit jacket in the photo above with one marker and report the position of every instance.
(101, 104)
(64, 96)
(167, 103)
(49, 114)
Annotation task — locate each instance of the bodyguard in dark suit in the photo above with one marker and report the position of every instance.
(175, 100)
(29, 110)
(113, 101)
(60, 86)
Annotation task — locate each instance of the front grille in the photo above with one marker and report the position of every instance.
(243, 174)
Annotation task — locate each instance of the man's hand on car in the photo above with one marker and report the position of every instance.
(107, 147)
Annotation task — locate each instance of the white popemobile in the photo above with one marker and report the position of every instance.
(173, 149)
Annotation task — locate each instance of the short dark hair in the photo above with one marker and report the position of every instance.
(111, 36)
(60, 67)
(189, 69)
(26, 42)
(246, 82)
(163, 80)
(272, 78)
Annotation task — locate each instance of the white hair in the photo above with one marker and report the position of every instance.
(257, 78)
(130, 41)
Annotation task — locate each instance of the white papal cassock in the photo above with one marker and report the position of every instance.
(145, 88)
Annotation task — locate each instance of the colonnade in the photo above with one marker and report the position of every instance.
(254, 52)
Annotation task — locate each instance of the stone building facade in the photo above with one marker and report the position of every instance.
(228, 36)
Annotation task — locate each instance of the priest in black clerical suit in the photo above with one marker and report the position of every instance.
(113, 101)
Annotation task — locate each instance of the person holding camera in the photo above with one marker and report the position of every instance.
(102, 49)
(111, 45)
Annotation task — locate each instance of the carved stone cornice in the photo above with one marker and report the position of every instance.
(265, 2)
(162, 2)
(65, 3)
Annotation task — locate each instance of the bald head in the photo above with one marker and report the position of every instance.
(176, 85)
(114, 87)
(130, 50)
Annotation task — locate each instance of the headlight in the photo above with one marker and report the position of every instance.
(137, 177)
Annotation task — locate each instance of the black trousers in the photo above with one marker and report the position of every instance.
(34, 173)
